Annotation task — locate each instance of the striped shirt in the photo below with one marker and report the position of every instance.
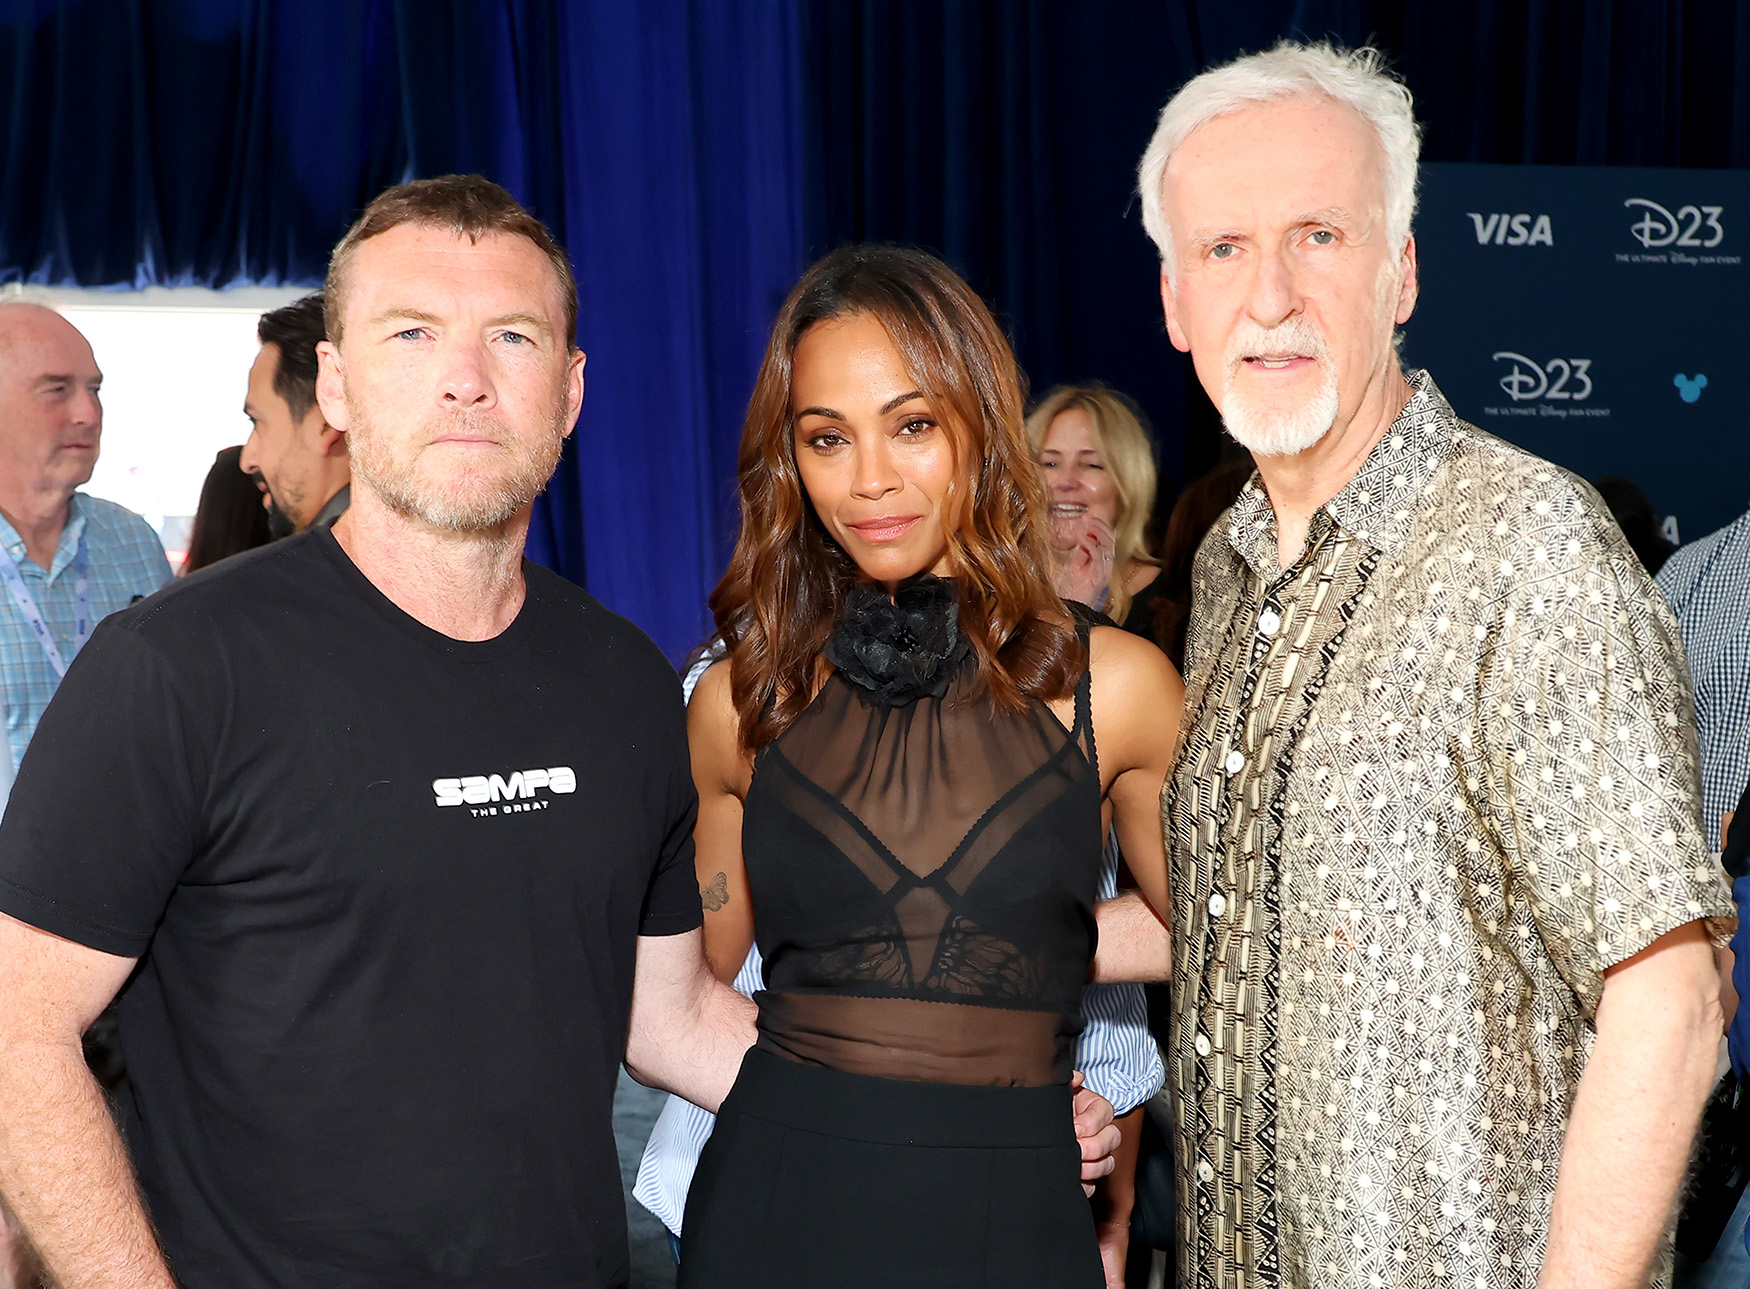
(1116, 1055)
(1708, 585)
(126, 562)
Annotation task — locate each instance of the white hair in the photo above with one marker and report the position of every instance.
(1356, 78)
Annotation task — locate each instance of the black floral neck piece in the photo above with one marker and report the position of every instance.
(900, 649)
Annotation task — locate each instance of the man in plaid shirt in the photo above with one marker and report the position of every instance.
(69, 559)
(1708, 585)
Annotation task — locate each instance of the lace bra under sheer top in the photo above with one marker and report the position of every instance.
(924, 875)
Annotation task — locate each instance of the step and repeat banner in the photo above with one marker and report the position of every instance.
(1596, 316)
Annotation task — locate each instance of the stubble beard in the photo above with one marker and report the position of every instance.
(1278, 431)
(502, 483)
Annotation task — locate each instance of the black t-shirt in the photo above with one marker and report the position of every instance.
(386, 887)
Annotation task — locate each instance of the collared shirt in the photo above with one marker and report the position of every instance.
(126, 562)
(1708, 584)
(334, 507)
(1435, 778)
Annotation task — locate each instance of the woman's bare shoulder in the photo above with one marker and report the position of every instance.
(714, 686)
(1121, 659)
(714, 731)
(1137, 697)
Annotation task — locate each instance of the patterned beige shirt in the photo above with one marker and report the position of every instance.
(1435, 778)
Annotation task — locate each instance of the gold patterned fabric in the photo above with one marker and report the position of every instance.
(1434, 779)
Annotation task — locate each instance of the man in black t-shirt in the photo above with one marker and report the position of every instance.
(378, 826)
(387, 835)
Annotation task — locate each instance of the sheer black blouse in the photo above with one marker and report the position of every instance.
(923, 866)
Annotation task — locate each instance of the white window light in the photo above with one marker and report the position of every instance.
(175, 363)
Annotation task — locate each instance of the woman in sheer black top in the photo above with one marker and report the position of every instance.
(906, 766)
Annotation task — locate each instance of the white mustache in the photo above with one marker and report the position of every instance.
(1295, 336)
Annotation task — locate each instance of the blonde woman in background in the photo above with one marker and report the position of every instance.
(1098, 461)
(1099, 464)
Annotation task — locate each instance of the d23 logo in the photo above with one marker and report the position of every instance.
(1657, 226)
(1559, 378)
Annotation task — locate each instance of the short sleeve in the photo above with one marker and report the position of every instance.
(1589, 747)
(671, 903)
(104, 815)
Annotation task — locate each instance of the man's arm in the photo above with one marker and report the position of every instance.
(62, 1165)
(1635, 1115)
(1097, 1133)
(1134, 945)
(689, 1030)
(1116, 1199)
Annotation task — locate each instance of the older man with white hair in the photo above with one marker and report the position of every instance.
(1445, 1007)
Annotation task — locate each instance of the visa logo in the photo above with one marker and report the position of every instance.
(1512, 230)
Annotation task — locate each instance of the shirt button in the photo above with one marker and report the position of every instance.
(1268, 621)
(1205, 1171)
(1236, 761)
(1217, 904)
(1202, 1045)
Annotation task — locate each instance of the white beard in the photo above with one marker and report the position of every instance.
(1277, 430)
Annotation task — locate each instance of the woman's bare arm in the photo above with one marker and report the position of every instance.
(1137, 699)
(721, 771)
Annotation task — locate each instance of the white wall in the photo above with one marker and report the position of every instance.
(175, 368)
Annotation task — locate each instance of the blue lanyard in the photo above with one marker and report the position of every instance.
(33, 615)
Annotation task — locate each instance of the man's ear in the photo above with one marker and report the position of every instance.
(1170, 310)
(331, 385)
(324, 440)
(1408, 291)
(573, 389)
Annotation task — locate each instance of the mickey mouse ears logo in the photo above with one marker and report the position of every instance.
(1689, 387)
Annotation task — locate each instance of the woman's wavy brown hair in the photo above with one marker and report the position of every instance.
(788, 579)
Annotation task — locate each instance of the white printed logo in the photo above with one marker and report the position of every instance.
(1512, 230)
(516, 790)
(1659, 227)
(1527, 379)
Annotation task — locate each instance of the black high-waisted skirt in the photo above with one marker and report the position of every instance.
(818, 1178)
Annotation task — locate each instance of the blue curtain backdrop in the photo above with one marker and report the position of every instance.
(692, 154)
(222, 142)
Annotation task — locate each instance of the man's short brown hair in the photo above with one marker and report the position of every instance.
(470, 206)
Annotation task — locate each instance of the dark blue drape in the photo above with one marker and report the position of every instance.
(220, 142)
(679, 169)
(1005, 134)
(692, 154)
